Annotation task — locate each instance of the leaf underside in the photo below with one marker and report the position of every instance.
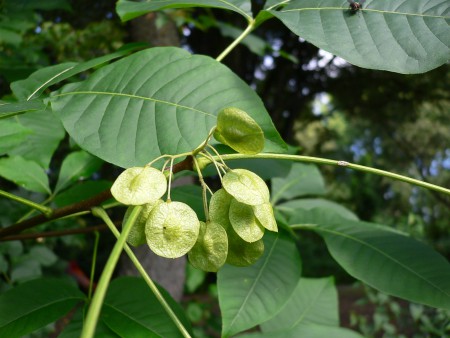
(158, 101)
(397, 35)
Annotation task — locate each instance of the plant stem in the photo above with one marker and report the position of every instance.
(94, 262)
(45, 210)
(309, 159)
(251, 25)
(99, 295)
(146, 277)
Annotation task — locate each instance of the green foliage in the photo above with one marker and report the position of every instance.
(128, 135)
(164, 103)
(34, 304)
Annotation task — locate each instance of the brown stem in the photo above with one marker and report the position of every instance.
(85, 205)
(57, 233)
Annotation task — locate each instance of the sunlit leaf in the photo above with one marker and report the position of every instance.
(159, 101)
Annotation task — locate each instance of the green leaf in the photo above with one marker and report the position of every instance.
(158, 101)
(81, 191)
(43, 255)
(75, 327)
(128, 10)
(303, 179)
(308, 330)
(132, 310)
(313, 301)
(31, 86)
(75, 166)
(396, 35)
(191, 195)
(16, 108)
(383, 258)
(293, 206)
(12, 134)
(251, 295)
(43, 78)
(35, 304)
(47, 132)
(27, 174)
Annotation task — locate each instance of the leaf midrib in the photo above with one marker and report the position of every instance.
(365, 10)
(384, 254)
(254, 284)
(132, 96)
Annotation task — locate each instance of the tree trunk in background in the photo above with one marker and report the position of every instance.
(157, 30)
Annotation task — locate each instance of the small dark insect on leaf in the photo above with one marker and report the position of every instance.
(356, 5)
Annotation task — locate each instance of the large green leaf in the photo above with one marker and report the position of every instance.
(303, 179)
(132, 310)
(401, 36)
(46, 133)
(312, 311)
(383, 258)
(251, 295)
(128, 10)
(308, 330)
(313, 301)
(159, 101)
(75, 166)
(27, 174)
(35, 304)
(81, 191)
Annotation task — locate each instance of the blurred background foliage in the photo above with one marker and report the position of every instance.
(320, 103)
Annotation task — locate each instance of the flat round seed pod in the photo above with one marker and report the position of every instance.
(139, 185)
(244, 222)
(238, 130)
(137, 232)
(242, 253)
(264, 214)
(219, 207)
(246, 187)
(172, 229)
(210, 251)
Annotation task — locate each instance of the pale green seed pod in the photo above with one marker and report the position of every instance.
(246, 187)
(137, 232)
(139, 185)
(210, 251)
(172, 229)
(219, 207)
(238, 130)
(264, 214)
(244, 222)
(242, 253)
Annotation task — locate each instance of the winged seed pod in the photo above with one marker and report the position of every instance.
(210, 251)
(172, 229)
(244, 222)
(242, 253)
(246, 187)
(139, 185)
(238, 130)
(137, 232)
(264, 214)
(219, 208)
